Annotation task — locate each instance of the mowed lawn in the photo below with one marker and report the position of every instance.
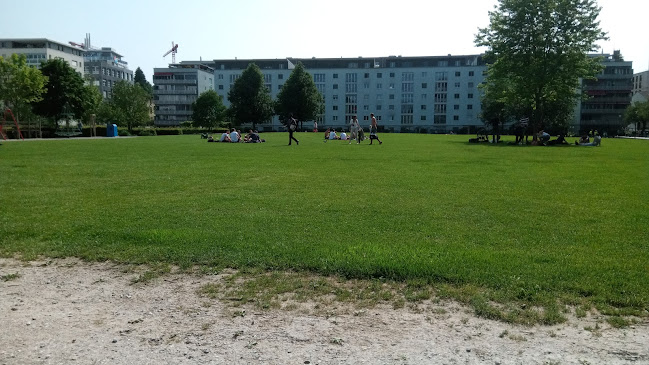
(538, 225)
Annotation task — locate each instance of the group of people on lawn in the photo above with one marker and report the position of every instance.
(584, 140)
(235, 137)
(356, 132)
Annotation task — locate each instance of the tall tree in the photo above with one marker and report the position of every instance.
(129, 106)
(250, 100)
(539, 50)
(65, 87)
(299, 96)
(638, 113)
(20, 85)
(141, 80)
(208, 110)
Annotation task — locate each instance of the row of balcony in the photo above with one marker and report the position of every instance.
(175, 82)
(175, 92)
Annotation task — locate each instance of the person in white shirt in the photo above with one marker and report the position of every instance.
(343, 136)
(234, 136)
(225, 137)
(332, 135)
(353, 129)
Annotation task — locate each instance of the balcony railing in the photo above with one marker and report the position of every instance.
(175, 82)
(175, 92)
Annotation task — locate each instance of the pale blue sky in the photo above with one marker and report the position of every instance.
(143, 30)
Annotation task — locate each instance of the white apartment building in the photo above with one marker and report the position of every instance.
(38, 50)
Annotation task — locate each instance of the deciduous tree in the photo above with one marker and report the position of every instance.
(638, 113)
(65, 87)
(299, 96)
(20, 85)
(540, 50)
(129, 106)
(250, 100)
(208, 110)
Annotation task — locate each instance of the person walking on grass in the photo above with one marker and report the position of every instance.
(292, 127)
(373, 128)
(353, 129)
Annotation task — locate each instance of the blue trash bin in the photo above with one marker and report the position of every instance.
(111, 130)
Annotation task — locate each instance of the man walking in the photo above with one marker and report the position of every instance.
(292, 127)
(373, 128)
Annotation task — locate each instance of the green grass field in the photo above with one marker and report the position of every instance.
(492, 225)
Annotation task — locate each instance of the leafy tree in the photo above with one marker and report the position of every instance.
(539, 50)
(65, 87)
(141, 80)
(208, 110)
(638, 113)
(92, 100)
(249, 98)
(20, 85)
(129, 106)
(299, 96)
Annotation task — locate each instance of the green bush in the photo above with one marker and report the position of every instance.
(147, 132)
(169, 131)
(123, 132)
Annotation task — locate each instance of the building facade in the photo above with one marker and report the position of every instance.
(609, 96)
(641, 83)
(38, 50)
(175, 89)
(106, 68)
(406, 94)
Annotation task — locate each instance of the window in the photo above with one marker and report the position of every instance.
(318, 78)
(391, 97)
(470, 84)
(456, 96)
(335, 76)
(379, 97)
(407, 87)
(351, 77)
(280, 77)
(379, 86)
(392, 85)
(456, 107)
(457, 84)
(470, 73)
(456, 117)
(424, 74)
(378, 107)
(335, 86)
(335, 107)
(457, 74)
(424, 96)
(440, 108)
(424, 85)
(335, 97)
(366, 85)
(423, 107)
(470, 96)
(379, 75)
(469, 107)
(391, 107)
(366, 75)
(334, 118)
(440, 119)
(220, 87)
(366, 107)
(392, 73)
(423, 117)
(442, 63)
(407, 76)
(279, 87)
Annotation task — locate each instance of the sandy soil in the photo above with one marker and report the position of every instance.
(67, 311)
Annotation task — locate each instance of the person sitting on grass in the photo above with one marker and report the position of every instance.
(560, 140)
(343, 136)
(597, 141)
(225, 137)
(332, 135)
(584, 139)
(327, 132)
(544, 137)
(234, 136)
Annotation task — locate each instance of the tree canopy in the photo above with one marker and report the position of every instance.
(129, 106)
(638, 113)
(538, 50)
(250, 100)
(20, 85)
(65, 87)
(208, 110)
(299, 96)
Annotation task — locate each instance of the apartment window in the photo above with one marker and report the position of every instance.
(440, 119)
(456, 107)
(366, 97)
(407, 87)
(423, 107)
(335, 97)
(280, 77)
(379, 86)
(457, 84)
(391, 85)
(335, 76)
(407, 76)
(392, 73)
(457, 74)
(379, 75)
(279, 87)
(335, 86)
(470, 73)
(456, 96)
(318, 78)
(379, 97)
(456, 117)
(423, 117)
(366, 85)
(470, 96)
(470, 84)
(366, 107)
(220, 76)
(351, 77)
(366, 75)
(391, 107)
(469, 107)
(334, 118)
(378, 107)
(220, 87)
(424, 96)
(424, 85)
(335, 107)
(424, 74)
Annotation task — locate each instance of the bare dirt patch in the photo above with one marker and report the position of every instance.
(69, 311)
